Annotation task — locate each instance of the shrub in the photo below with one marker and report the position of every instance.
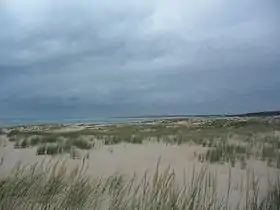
(23, 143)
(214, 155)
(13, 133)
(232, 161)
(49, 139)
(269, 162)
(224, 153)
(243, 162)
(210, 143)
(35, 140)
(136, 140)
(267, 152)
(13, 138)
(81, 144)
(52, 149)
(278, 145)
(201, 157)
(278, 161)
(107, 142)
(179, 140)
(17, 144)
(204, 143)
(241, 149)
(41, 150)
(117, 139)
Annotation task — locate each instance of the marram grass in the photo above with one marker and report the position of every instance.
(50, 185)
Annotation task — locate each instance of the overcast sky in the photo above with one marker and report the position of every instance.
(74, 58)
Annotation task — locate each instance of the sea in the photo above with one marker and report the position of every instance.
(7, 122)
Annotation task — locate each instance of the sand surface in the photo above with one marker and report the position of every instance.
(128, 159)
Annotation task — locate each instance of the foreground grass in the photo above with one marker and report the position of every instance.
(51, 186)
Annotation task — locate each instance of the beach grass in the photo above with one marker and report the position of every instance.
(49, 185)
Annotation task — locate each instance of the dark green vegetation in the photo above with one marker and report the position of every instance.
(228, 139)
(47, 186)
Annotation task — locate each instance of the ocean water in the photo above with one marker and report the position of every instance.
(4, 122)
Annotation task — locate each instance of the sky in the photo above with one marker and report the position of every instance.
(107, 58)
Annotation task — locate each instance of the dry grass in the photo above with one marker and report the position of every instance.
(51, 186)
(261, 147)
(253, 138)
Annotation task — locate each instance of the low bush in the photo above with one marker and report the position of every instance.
(23, 143)
(49, 149)
(243, 162)
(49, 139)
(52, 148)
(35, 140)
(81, 144)
(136, 140)
(41, 149)
(267, 152)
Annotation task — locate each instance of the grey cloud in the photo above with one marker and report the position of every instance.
(120, 58)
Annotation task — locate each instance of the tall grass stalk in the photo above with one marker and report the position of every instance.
(50, 185)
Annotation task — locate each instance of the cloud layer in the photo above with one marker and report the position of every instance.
(120, 58)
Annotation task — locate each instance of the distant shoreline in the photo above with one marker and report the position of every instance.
(122, 119)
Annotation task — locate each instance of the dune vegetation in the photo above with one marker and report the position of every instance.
(50, 186)
(228, 141)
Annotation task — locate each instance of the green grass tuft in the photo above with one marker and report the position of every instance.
(50, 186)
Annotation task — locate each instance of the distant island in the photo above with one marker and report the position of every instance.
(257, 114)
(250, 114)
